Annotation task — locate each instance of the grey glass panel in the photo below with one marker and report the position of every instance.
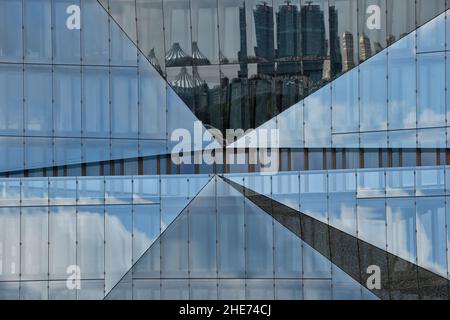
(123, 290)
(318, 118)
(9, 244)
(91, 290)
(317, 289)
(123, 51)
(62, 191)
(62, 238)
(401, 228)
(177, 32)
(118, 247)
(205, 31)
(431, 89)
(38, 152)
(95, 108)
(145, 289)
(371, 27)
(175, 239)
(149, 266)
(11, 30)
(118, 190)
(430, 181)
(9, 290)
(315, 265)
(372, 222)
(400, 182)
(288, 289)
(431, 36)
(34, 191)
(431, 235)
(259, 289)
(34, 239)
(287, 253)
(90, 237)
(402, 84)
(67, 95)
(290, 123)
(11, 99)
(38, 30)
(174, 289)
(9, 192)
(232, 35)
(231, 289)
(67, 151)
(146, 228)
(66, 32)
(96, 150)
(124, 12)
(259, 242)
(401, 18)
(38, 100)
(373, 93)
(152, 102)
(203, 289)
(11, 154)
(345, 112)
(313, 195)
(342, 201)
(58, 291)
(34, 290)
(150, 31)
(94, 33)
(124, 107)
(230, 210)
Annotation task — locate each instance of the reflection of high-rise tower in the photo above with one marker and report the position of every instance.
(312, 31)
(335, 50)
(243, 35)
(263, 15)
(287, 30)
(365, 51)
(348, 62)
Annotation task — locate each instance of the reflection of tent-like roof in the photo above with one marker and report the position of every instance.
(177, 57)
(198, 57)
(154, 60)
(186, 81)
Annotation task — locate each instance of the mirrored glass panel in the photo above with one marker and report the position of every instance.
(342, 200)
(11, 31)
(94, 33)
(66, 32)
(318, 118)
(9, 243)
(313, 195)
(345, 105)
(431, 36)
(371, 215)
(11, 99)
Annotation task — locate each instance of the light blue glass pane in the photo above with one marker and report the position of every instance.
(118, 247)
(373, 91)
(38, 30)
(9, 244)
(313, 195)
(91, 190)
(11, 30)
(231, 289)
(285, 189)
(371, 183)
(402, 83)
(152, 147)
(342, 200)
(124, 107)
(63, 191)
(145, 289)
(9, 192)
(230, 210)
(430, 181)
(34, 290)
(431, 90)
(58, 291)
(202, 234)
(66, 34)
(38, 152)
(345, 287)
(315, 265)
(94, 33)
(203, 289)
(371, 215)
(290, 124)
(91, 290)
(345, 103)
(38, 100)
(402, 139)
(146, 190)
(174, 289)
(259, 289)
(118, 190)
(318, 118)
(431, 36)
(400, 182)
(90, 237)
(146, 228)
(174, 197)
(123, 51)
(258, 183)
(123, 149)
(62, 238)
(34, 191)
(9, 290)
(373, 139)
(259, 242)
(152, 99)
(67, 151)
(175, 239)
(287, 253)
(11, 99)
(345, 140)
(317, 289)
(401, 228)
(34, 239)
(96, 150)
(11, 154)
(431, 235)
(431, 138)
(288, 290)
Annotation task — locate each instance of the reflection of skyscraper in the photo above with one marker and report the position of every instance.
(365, 52)
(348, 50)
(312, 31)
(243, 35)
(263, 15)
(287, 30)
(335, 50)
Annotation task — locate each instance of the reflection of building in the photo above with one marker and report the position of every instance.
(313, 38)
(335, 50)
(264, 31)
(287, 31)
(365, 51)
(177, 57)
(348, 61)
